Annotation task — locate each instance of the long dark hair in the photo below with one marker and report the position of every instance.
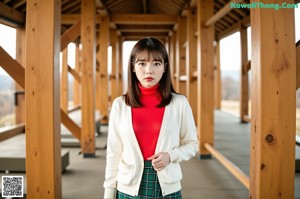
(153, 48)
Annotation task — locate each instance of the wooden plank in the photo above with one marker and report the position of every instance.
(120, 66)
(74, 74)
(114, 64)
(191, 60)
(71, 125)
(221, 13)
(43, 148)
(70, 35)
(11, 17)
(88, 32)
(143, 19)
(17, 72)
(230, 166)
(20, 58)
(76, 86)
(298, 65)
(217, 78)
(273, 65)
(180, 54)
(8, 132)
(64, 81)
(102, 76)
(172, 56)
(244, 85)
(12, 67)
(205, 77)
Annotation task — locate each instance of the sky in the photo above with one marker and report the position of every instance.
(229, 46)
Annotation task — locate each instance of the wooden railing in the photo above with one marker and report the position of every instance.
(232, 168)
(10, 131)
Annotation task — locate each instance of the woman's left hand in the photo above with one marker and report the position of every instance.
(160, 160)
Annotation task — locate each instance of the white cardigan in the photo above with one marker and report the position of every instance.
(124, 160)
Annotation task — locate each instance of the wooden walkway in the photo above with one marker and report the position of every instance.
(202, 179)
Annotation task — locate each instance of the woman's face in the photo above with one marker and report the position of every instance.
(149, 72)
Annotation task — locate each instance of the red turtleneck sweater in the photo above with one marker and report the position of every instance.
(147, 120)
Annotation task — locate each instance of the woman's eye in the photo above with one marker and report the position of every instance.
(157, 63)
(141, 64)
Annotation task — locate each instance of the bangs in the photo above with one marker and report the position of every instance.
(149, 54)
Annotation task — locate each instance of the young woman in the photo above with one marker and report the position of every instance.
(151, 130)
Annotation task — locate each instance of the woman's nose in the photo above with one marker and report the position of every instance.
(149, 68)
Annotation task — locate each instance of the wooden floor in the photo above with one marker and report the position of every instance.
(202, 179)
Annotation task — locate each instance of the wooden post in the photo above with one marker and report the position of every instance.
(191, 60)
(115, 63)
(205, 77)
(172, 56)
(120, 66)
(64, 81)
(20, 57)
(102, 82)
(43, 147)
(244, 88)
(180, 54)
(218, 80)
(76, 85)
(88, 32)
(272, 154)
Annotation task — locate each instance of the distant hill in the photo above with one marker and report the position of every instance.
(6, 82)
(234, 74)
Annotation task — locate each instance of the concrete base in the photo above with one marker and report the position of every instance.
(17, 164)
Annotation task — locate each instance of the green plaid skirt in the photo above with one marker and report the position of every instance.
(149, 188)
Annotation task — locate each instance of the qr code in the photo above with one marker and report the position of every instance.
(12, 186)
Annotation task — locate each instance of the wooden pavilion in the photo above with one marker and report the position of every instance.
(191, 31)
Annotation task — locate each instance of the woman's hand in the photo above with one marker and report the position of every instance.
(160, 160)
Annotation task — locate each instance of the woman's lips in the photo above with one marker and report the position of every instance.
(148, 79)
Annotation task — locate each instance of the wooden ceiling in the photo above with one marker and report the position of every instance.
(151, 17)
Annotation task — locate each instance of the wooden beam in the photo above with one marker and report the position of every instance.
(244, 84)
(8, 132)
(145, 34)
(145, 28)
(191, 60)
(143, 19)
(120, 66)
(43, 147)
(64, 86)
(74, 73)
(180, 54)
(12, 67)
(298, 64)
(217, 77)
(102, 72)
(234, 28)
(71, 125)
(76, 84)
(70, 35)
(232, 168)
(145, 8)
(273, 113)
(20, 58)
(70, 18)
(11, 17)
(221, 13)
(114, 81)
(205, 77)
(17, 72)
(88, 35)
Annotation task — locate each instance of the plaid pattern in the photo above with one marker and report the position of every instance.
(149, 188)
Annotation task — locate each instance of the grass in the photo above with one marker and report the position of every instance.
(7, 120)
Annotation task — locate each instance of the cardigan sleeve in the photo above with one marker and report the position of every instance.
(188, 135)
(113, 152)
